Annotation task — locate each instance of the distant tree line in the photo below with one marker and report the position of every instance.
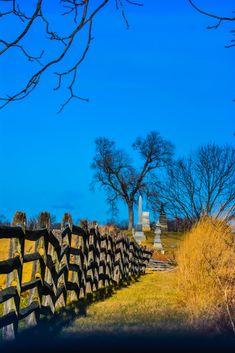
(197, 185)
(32, 222)
(200, 184)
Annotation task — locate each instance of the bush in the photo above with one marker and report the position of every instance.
(206, 275)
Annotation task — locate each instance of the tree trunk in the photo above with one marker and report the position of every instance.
(130, 216)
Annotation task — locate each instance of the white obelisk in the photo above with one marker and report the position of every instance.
(140, 215)
(139, 234)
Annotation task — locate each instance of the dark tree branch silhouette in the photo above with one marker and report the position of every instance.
(201, 184)
(220, 19)
(76, 16)
(120, 180)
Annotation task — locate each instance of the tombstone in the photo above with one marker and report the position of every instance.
(146, 222)
(163, 219)
(138, 234)
(139, 226)
(157, 239)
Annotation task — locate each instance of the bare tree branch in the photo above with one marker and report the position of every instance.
(79, 13)
(201, 184)
(115, 173)
(220, 18)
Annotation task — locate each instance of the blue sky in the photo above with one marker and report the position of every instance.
(166, 73)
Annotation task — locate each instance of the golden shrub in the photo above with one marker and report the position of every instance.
(206, 274)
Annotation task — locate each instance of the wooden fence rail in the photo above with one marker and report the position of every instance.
(43, 270)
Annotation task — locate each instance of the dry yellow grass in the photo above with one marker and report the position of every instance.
(171, 241)
(206, 274)
(4, 255)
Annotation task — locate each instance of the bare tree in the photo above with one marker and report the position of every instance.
(76, 17)
(33, 222)
(219, 20)
(114, 171)
(201, 184)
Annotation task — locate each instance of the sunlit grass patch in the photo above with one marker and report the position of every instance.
(171, 241)
(150, 303)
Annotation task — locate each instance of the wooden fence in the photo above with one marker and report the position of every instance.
(43, 270)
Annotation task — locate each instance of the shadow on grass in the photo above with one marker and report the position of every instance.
(50, 326)
(47, 337)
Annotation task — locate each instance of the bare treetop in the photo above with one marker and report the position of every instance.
(201, 184)
(75, 18)
(115, 172)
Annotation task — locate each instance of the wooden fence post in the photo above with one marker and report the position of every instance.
(62, 280)
(38, 271)
(12, 305)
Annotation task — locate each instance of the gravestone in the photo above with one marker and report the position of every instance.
(157, 239)
(139, 226)
(146, 222)
(163, 219)
(139, 234)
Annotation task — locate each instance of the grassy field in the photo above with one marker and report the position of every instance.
(143, 317)
(148, 312)
(170, 242)
(147, 305)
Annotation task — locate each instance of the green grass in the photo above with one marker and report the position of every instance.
(149, 238)
(148, 304)
(171, 242)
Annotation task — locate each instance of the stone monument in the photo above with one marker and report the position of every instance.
(146, 222)
(139, 234)
(157, 239)
(163, 219)
(139, 226)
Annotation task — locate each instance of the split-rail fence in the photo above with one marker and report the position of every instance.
(43, 270)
